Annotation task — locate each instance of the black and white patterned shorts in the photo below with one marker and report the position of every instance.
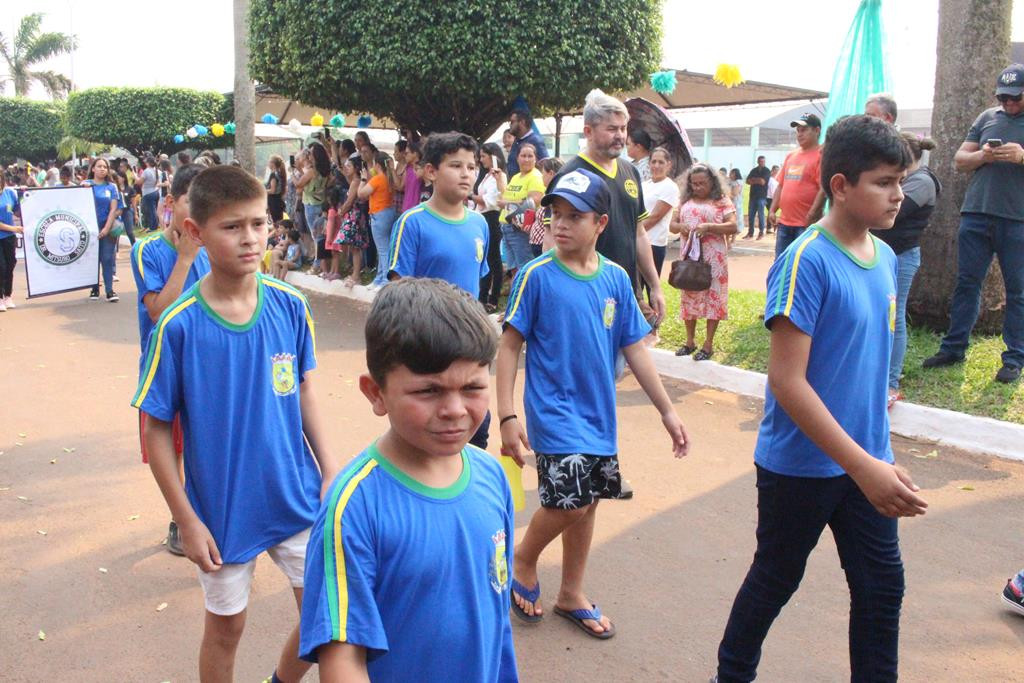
(570, 482)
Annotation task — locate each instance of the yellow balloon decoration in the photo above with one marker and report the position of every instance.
(316, 120)
(217, 130)
(728, 75)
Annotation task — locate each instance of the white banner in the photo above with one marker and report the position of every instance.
(61, 238)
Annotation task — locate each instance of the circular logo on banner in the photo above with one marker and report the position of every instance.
(61, 238)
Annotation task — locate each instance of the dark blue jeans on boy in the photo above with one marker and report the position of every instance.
(980, 237)
(792, 513)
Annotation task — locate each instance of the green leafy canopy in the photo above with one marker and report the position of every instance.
(438, 66)
(143, 119)
(29, 130)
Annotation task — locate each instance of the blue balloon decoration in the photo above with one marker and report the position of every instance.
(179, 138)
(202, 130)
(269, 118)
(364, 121)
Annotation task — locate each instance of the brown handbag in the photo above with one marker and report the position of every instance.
(688, 274)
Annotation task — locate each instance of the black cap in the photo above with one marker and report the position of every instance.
(1011, 81)
(811, 120)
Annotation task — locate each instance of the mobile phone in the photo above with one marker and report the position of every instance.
(993, 142)
(291, 160)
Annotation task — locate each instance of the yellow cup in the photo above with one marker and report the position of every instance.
(515, 481)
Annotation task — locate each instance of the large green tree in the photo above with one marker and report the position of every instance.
(145, 119)
(451, 65)
(30, 48)
(29, 130)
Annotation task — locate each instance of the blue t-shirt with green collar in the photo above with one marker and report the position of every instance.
(848, 308)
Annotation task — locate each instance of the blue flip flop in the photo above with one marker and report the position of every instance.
(577, 616)
(531, 594)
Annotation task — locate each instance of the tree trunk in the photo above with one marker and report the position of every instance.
(965, 76)
(245, 92)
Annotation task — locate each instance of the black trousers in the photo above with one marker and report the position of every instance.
(8, 261)
(490, 284)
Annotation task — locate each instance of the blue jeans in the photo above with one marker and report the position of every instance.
(149, 205)
(979, 238)
(311, 213)
(907, 264)
(380, 226)
(785, 235)
(791, 514)
(517, 246)
(128, 220)
(108, 252)
(756, 209)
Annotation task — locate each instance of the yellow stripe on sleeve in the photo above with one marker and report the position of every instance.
(522, 286)
(154, 359)
(341, 574)
(792, 275)
(398, 237)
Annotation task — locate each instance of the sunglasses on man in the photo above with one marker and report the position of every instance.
(1009, 98)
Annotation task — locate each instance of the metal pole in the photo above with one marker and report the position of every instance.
(558, 134)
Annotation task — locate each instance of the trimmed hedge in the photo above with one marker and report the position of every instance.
(28, 129)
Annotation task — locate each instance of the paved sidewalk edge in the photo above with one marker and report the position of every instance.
(967, 432)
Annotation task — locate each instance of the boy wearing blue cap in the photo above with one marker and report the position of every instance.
(577, 310)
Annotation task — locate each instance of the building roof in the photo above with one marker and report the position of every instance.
(700, 90)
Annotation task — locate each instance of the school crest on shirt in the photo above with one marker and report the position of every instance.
(61, 238)
(283, 373)
(630, 187)
(479, 250)
(892, 312)
(609, 312)
(499, 562)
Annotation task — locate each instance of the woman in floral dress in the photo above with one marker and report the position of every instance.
(707, 214)
(353, 236)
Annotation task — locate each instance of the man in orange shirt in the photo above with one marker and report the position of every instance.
(799, 192)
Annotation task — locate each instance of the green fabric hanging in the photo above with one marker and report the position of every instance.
(861, 68)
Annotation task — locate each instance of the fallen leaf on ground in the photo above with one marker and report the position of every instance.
(709, 403)
(18, 443)
(5, 488)
(161, 607)
(914, 450)
(42, 635)
(69, 450)
(22, 498)
(22, 434)
(54, 461)
(132, 518)
(103, 570)
(966, 488)
(41, 532)
(926, 456)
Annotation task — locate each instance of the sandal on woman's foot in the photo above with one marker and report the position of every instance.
(530, 595)
(685, 350)
(577, 616)
(894, 396)
(703, 355)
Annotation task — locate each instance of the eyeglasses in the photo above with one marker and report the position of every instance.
(1009, 98)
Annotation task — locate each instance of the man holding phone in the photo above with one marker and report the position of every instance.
(991, 223)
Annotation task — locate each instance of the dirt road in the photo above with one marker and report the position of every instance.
(665, 566)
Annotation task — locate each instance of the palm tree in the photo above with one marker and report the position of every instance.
(31, 48)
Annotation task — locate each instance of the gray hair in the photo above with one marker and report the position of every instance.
(600, 106)
(885, 101)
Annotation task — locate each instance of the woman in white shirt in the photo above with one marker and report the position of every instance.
(489, 190)
(661, 197)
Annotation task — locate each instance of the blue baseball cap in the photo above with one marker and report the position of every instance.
(582, 189)
(1011, 81)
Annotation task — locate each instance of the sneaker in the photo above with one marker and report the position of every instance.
(9, 302)
(941, 359)
(626, 491)
(1007, 374)
(174, 546)
(3, 308)
(117, 279)
(94, 295)
(112, 297)
(1014, 597)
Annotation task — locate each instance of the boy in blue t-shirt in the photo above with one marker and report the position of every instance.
(575, 310)
(164, 265)
(232, 356)
(407, 569)
(442, 238)
(823, 454)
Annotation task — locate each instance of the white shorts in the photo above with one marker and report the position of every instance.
(227, 589)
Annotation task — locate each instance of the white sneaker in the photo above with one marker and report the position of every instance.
(117, 279)
(3, 309)
(9, 302)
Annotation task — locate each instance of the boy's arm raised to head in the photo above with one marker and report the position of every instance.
(196, 538)
(342, 663)
(313, 429)
(157, 302)
(888, 487)
(514, 442)
(646, 374)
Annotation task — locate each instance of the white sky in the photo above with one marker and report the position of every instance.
(188, 42)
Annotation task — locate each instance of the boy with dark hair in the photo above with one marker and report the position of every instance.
(233, 355)
(407, 573)
(576, 310)
(441, 238)
(823, 454)
(165, 264)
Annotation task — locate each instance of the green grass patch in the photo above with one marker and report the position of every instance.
(742, 341)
